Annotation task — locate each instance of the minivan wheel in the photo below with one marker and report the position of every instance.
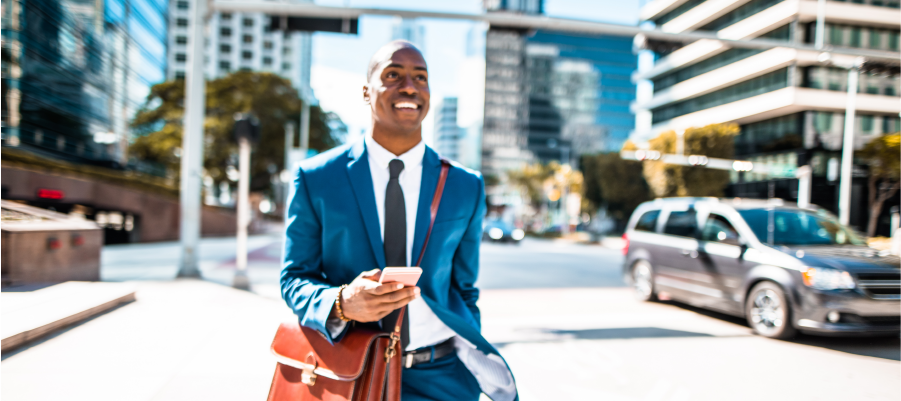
(768, 311)
(643, 281)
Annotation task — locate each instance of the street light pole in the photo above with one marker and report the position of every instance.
(844, 192)
(192, 145)
(241, 281)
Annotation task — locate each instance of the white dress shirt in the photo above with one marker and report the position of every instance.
(425, 327)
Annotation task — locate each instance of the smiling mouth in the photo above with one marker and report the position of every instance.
(406, 106)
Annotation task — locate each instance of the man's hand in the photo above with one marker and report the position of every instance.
(365, 300)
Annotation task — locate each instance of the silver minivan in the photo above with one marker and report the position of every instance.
(781, 267)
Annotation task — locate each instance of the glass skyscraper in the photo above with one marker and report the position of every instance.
(76, 71)
(551, 96)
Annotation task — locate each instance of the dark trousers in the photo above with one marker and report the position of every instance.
(445, 379)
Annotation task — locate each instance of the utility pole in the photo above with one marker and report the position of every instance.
(241, 281)
(844, 192)
(192, 145)
(804, 174)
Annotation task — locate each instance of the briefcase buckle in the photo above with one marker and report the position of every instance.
(307, 376)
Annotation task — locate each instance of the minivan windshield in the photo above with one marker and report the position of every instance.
(792, 227)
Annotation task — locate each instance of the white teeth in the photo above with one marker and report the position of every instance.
(406, 105)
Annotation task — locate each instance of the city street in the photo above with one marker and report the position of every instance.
(559, 313)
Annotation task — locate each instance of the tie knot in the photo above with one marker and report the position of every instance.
(395, 167)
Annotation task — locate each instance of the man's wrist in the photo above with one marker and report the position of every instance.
(337, 310)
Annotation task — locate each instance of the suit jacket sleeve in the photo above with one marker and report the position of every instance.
(302, 278)
(466, 259)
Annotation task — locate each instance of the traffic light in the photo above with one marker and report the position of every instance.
(295, 24)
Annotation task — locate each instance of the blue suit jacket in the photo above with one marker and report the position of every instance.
(333, 235)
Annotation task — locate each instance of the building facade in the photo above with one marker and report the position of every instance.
(75, 73)
(447, 133)
(241, 41)
(790, 104)
(551, 96)
(410, 30)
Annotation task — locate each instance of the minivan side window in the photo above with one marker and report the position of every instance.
(718, 229)
(683, 224)
(648, 221)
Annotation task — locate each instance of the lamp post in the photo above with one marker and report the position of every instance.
(247, 131)
(192, 145)
(844, 191)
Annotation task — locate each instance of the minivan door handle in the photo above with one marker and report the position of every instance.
(690, 253)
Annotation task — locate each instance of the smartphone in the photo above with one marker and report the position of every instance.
(408, 276)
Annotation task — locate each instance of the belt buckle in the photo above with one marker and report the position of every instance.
(408, 361)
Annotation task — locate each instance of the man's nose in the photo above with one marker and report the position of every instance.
(407, 87)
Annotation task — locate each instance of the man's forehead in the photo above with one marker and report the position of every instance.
(399, 55)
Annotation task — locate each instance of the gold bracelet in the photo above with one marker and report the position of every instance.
(338, 304)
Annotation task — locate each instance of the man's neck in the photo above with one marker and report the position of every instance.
(395, 143)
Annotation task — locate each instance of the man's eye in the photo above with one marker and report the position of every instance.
(391, 75)
(422, 78)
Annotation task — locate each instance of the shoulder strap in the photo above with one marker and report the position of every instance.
(436, 201)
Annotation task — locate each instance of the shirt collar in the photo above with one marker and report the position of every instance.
(382, 156)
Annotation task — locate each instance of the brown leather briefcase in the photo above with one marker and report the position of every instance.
(364, 366)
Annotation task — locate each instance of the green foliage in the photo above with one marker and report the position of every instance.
(614, 182)
(267, 95)
(883, 155)
(715, 140)
(545, 181)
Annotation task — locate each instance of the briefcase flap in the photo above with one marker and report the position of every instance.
(308, 349)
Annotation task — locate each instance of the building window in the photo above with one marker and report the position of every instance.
(267, 60)
(875, 39)
(855, 37)
(225, 32)
(247, 55)
(182, 40)
(248, 22)
(182, 5)
(179, 75)
(823, 121)
(286, 51)
(225, 48)
(225, 17)
(267, 44)
(181, 57)
(286, 66)
(866, 123)
(182, 22)
(248, 39)
(225, 66)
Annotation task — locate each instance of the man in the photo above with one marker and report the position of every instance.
(364, 206)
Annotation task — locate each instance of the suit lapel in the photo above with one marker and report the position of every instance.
(361, 182)
(431, 168)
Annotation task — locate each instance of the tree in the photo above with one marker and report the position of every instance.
(715, 140)
(614, 182)
(882, 155)
(270, 97)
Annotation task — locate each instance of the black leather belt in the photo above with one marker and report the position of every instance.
(428, 354)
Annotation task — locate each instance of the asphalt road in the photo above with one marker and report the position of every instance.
(570, 329)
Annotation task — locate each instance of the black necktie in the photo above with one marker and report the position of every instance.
(396, 240)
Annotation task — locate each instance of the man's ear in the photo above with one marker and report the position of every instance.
(366, 93)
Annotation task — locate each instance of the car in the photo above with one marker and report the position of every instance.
(783, 268)
(501, 231)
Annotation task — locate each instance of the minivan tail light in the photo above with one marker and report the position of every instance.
(625, 244)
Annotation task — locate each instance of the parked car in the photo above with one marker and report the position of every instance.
(501, 231)
(781, 267)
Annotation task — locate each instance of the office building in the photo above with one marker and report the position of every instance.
(410, 30)
(241, 41)
(75, 73)
(551, 96)
(790, 104)
(447, 133)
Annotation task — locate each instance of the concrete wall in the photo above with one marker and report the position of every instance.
(158, 215)
(27, 258)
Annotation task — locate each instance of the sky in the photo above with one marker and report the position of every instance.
(339, 61)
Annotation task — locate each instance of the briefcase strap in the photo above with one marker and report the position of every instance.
(433, 212)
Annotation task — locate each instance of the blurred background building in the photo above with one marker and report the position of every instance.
(75, 72)
(789, 104)
(410, 30)
(447, 132)
(241, 41)
(552, 96)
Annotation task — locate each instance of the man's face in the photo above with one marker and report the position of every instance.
(398, 91)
